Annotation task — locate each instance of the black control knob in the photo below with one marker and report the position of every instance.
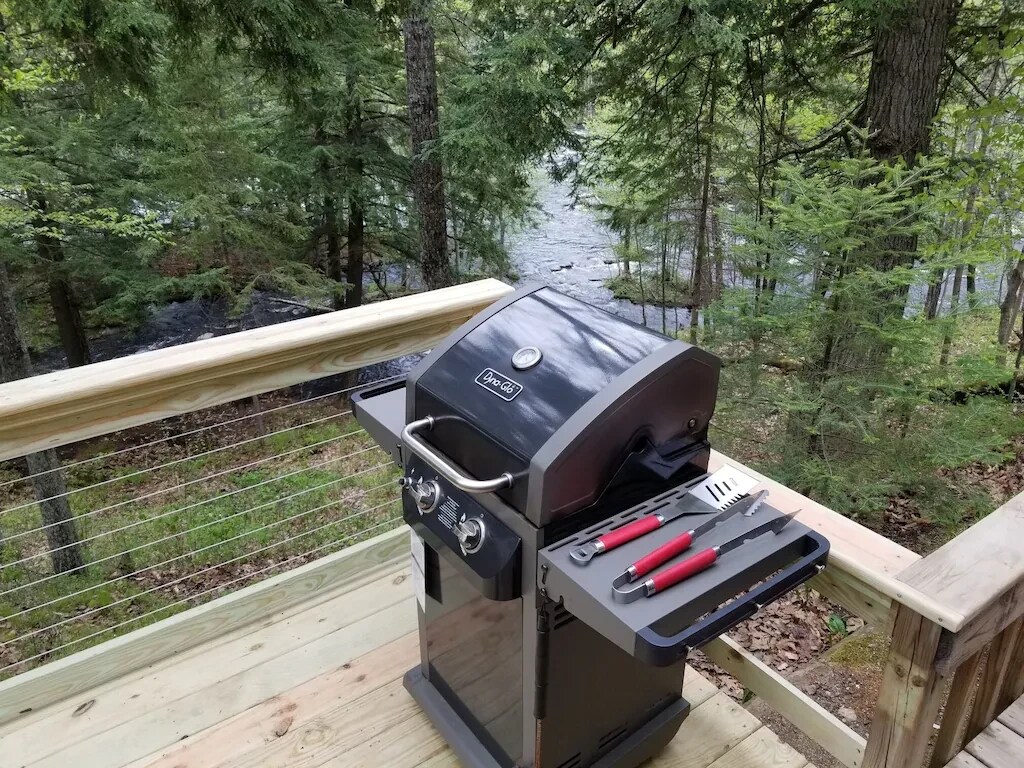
(470, 534)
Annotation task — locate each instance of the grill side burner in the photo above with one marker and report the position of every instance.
(536, 425)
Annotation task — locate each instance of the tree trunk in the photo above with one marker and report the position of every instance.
(972, 291)
(954, 305)
(643, 300)
(356, 249)
(627, 241)
(1011, 302)
(1017, 362)
(664, 273)
(716, 245)
(934, 297)
(44, 467)
(356, 213)
(427, 177)
(903, 83)
(901, 101)
(455, 243)
(335, 270)
(701, 270)
(66, 311)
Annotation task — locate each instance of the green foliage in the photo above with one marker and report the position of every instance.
(173, 150)
(836, 625)
(629, 287)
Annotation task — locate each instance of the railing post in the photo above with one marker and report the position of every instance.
(995, 686)
(911, 694)
(953, 729)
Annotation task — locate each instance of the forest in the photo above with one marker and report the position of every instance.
(830, 188)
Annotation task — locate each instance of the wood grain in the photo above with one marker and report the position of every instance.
(66, 406)
(859, 597)
(992, 698)
(964, 760)
(1013, 717)
(957, 712)
(225, 698)
(976, 572)
(696, 688)
(254, 728)
(1013, 685)
(75, 674)
(711, 730)
(356, 715)
(845, 744)
(762, 749)
(910, 696)
(155, 709)
(980, 630)
(998, 747)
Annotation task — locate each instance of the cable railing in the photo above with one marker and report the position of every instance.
(161, 481)
(160, 525)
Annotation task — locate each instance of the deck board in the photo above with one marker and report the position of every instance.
(997, 747)
(213, 682)
(316, 687)
(1000, 745)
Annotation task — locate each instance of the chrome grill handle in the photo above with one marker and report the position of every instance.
(443, 467)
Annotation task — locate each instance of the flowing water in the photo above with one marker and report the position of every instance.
(572, 251)
(569, 250)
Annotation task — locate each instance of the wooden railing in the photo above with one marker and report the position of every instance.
(948, 612)
(976, 583)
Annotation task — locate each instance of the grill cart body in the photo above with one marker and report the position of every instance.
(539, 424)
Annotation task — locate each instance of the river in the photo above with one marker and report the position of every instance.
(569, 249)
(572, 251)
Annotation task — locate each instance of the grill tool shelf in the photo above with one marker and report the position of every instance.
(661, 629)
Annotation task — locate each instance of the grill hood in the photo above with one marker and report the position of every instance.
(605, 392)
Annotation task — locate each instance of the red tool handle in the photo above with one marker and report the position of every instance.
(684, 570)
(663, 554)
(627, 533)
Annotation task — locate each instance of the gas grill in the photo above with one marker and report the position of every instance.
(538, 442)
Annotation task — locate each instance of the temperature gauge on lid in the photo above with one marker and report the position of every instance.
(526, 357)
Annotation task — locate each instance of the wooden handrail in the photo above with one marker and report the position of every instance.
(979, 577)
(67, 406)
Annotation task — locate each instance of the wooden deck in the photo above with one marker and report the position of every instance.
(317, 684)
(1000, 745)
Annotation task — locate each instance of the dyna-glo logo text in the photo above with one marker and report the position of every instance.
(500, 385)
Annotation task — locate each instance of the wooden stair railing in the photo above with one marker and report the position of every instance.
(976, 583)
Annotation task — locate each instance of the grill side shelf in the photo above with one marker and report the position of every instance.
(661, 629)
(380, 410)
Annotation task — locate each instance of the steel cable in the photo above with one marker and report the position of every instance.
(195, 596)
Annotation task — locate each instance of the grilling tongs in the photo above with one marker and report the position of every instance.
(691, 566)
(715, 492)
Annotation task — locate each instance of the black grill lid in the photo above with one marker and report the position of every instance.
(601, 384)
(583, 349)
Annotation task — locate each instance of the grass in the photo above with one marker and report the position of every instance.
(165, 540)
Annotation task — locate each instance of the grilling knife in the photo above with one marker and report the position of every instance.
(694, 564)
(715, 492)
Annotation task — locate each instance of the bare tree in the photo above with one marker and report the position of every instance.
(44, 466)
